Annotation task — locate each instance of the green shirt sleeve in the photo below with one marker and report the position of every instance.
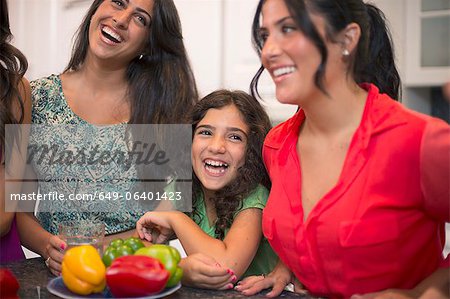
(256, 199)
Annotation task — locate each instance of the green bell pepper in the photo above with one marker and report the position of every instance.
(119, 247)
(169, 257)
(134, 243)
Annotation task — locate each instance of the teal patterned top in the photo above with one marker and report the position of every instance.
(103, 185)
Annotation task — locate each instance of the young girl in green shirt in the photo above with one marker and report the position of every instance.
(222, 236)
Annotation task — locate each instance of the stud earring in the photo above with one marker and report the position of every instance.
(345, 52)
(141, 56)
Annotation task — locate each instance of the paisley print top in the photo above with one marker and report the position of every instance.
(78, 165)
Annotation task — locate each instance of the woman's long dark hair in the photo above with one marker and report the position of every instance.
(161, 83)
(373, 60)
(229, 199)
(13, 66)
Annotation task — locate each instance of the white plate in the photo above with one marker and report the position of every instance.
(57, 287)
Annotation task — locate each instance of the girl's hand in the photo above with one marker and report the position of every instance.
(278, 279)
(156, 227)
(203, 271)
(55, 253)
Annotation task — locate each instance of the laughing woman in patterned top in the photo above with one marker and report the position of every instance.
(128, 66)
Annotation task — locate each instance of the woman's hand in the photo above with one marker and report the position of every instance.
(278, 279)
(203, 271)
(55, 252)
(156, 227)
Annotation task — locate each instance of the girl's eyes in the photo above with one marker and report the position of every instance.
(204, 132)
(236, 137)
(232, 137)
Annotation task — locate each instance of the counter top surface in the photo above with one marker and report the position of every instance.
(32, 275)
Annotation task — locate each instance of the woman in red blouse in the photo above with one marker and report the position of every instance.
(360, 184)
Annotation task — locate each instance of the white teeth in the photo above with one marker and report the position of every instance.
(215, 170)
(283, 71)
(215, 163)
(108, 31)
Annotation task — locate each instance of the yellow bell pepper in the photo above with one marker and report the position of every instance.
(83, 271)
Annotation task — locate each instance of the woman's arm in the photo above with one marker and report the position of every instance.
(435, 286)
(34, 237)
(5, 217)
(235, 252)
(16, 165)
(435, 175)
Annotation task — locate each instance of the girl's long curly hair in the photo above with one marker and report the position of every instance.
(229, 199)
(13, 66)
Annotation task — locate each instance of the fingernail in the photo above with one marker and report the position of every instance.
(229, 271)
(237, 287)
(230, 286)
(62, 246)
(233, 278)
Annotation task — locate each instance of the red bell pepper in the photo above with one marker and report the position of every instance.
(134, 276)
(8, 284)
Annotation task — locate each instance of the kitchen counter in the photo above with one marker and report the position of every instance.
(32, 275)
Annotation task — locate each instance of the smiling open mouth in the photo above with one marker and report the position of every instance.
(111, 35)
(283, 71)
(215, 167)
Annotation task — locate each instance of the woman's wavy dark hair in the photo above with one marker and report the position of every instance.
(229, 199)
(373, 60)
(13, 66)
(161, 83)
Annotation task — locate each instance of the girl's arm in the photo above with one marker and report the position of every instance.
(236, 251)
(201, 270)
